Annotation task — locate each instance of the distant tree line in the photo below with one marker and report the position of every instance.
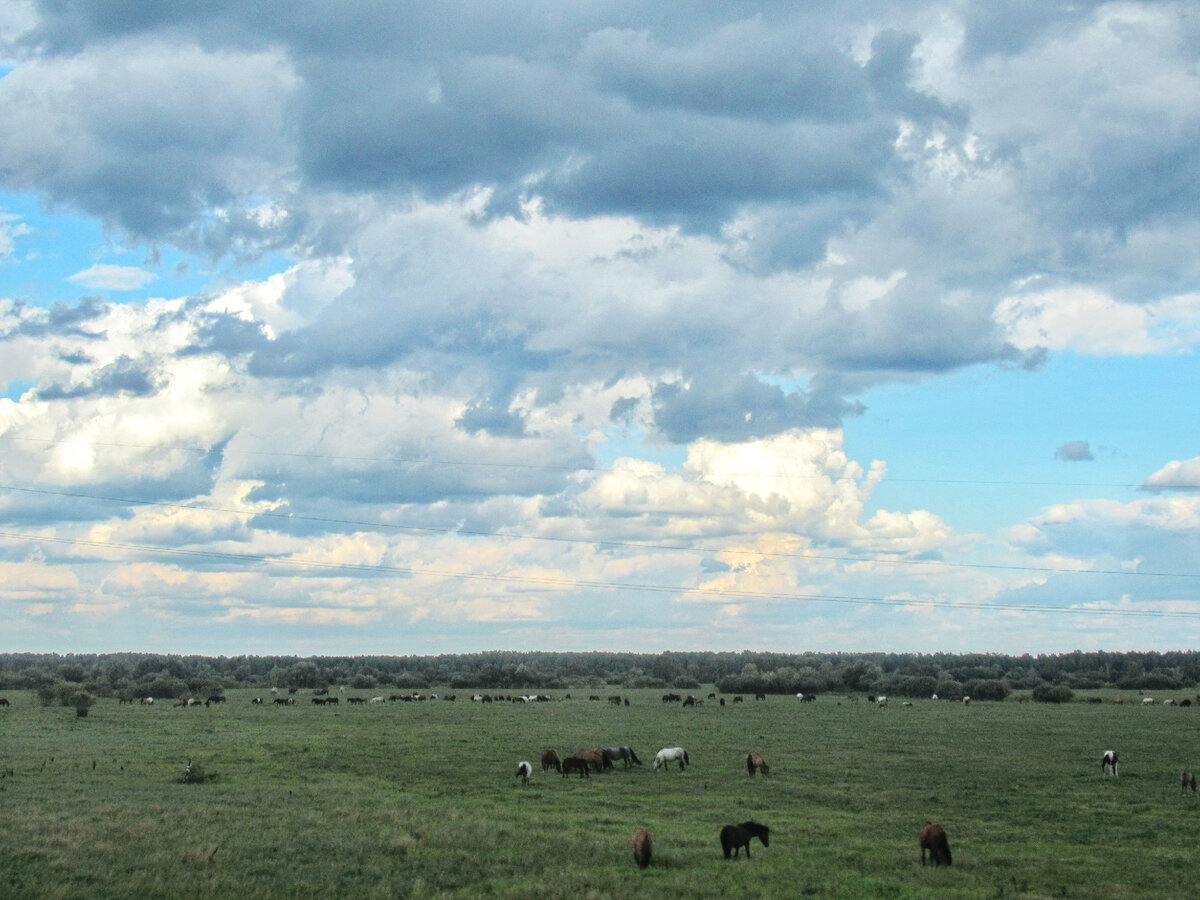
(983, 676)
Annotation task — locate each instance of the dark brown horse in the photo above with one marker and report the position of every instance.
(755, 762)
(643, 844)
(734, 837)
(575, 764)
(550, 760)
(1187, 780)
(933, 839)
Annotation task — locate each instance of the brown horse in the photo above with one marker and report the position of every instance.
(575, 764)
(1187, 780)
(643, 844)
(755, 762)
(734, 837)
(550, 760)
(933, 839)
(594, 757)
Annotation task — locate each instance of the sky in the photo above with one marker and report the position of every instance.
(386, 328)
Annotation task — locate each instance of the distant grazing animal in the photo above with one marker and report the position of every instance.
(594, 757)
(754, 762)
(668, 754)
(624, 754)
(550, 760)
(1185, 702)
(524, 770)
(257, 700)
(120, 700)
(1187, 780)
(575, 764)
(737, 699)
(148, 701)
(760, 696)
(614, 700)
(882, 701)
(808, 698)
(734, 837)
(643, 844)
(4, 701)
(966, 701)
(934, 697)
(690, 701)
(1147, 701)
(1109, 762)
(933, 839)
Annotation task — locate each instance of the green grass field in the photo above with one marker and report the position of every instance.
(419, 800)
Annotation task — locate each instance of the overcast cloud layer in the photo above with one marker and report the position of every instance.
(565, 312)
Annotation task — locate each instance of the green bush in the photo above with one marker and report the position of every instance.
(1052, 693)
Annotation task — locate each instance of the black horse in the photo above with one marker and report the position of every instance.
(734, 837)
(575, 764)
(624, 754)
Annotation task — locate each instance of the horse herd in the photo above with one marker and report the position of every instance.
(598, 759)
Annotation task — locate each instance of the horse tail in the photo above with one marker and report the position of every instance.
(686, 761)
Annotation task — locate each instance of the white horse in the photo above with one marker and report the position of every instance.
(524, 770)
(1109, 762)
(667, 754)
(882, 701)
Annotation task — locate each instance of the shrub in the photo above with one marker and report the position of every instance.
(986, 689)
(1052, 693)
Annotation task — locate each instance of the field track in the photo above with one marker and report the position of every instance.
(419, 799)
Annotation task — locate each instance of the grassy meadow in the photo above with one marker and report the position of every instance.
(419, 799)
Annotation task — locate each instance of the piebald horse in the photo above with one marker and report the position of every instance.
(734, 837)
(524, 770)
(668, 754)
(1108, 762)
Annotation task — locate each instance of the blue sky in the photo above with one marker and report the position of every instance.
(774, 328)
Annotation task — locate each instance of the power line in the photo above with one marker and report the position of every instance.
(565, 583)
(631, 545)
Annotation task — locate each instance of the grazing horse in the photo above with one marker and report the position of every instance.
(550, 760)
(933, 839)
(625, 754)
(524, 770)
(667, 754)
(595, 758)
(643, 843)
(734, 837)
(1109, 762)
(755, 762)
(574, 763)
(1187, 780)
